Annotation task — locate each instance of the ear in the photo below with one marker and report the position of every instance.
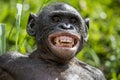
(31, 24)
(87, 22)
(87, 27)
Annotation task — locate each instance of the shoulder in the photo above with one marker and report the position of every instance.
(10, 56)
(92, 71)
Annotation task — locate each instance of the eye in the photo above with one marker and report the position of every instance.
(73, 20)
(56, 18)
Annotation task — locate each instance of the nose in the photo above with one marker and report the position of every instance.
(66, 26)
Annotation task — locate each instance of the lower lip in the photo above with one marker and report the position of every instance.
(62, 47)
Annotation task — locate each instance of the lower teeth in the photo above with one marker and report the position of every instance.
(63, 45)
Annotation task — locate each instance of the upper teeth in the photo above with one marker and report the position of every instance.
(65, 41)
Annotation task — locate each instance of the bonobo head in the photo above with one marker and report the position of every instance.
(59, 31)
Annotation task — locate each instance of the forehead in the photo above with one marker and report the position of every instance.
(59, 9)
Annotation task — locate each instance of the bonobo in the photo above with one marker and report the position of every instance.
(60, 33)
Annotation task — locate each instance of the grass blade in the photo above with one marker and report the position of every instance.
(2, 39)
(18, 18)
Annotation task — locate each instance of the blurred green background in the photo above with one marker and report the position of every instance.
(103, 47)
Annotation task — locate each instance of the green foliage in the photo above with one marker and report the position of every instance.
(103, 47)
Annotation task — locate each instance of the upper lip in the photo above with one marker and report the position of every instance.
(64, 34)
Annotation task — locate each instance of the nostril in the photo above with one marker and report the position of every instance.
(62, 27)
(70, 27)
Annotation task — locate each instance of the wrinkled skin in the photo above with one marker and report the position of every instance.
(60, 32)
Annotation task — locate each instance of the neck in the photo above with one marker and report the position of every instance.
(48, 57)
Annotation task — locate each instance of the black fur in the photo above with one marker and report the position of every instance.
(47, 62)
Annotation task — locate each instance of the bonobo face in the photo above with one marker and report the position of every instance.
(59, 31)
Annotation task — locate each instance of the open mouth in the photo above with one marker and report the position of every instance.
(65, 40)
